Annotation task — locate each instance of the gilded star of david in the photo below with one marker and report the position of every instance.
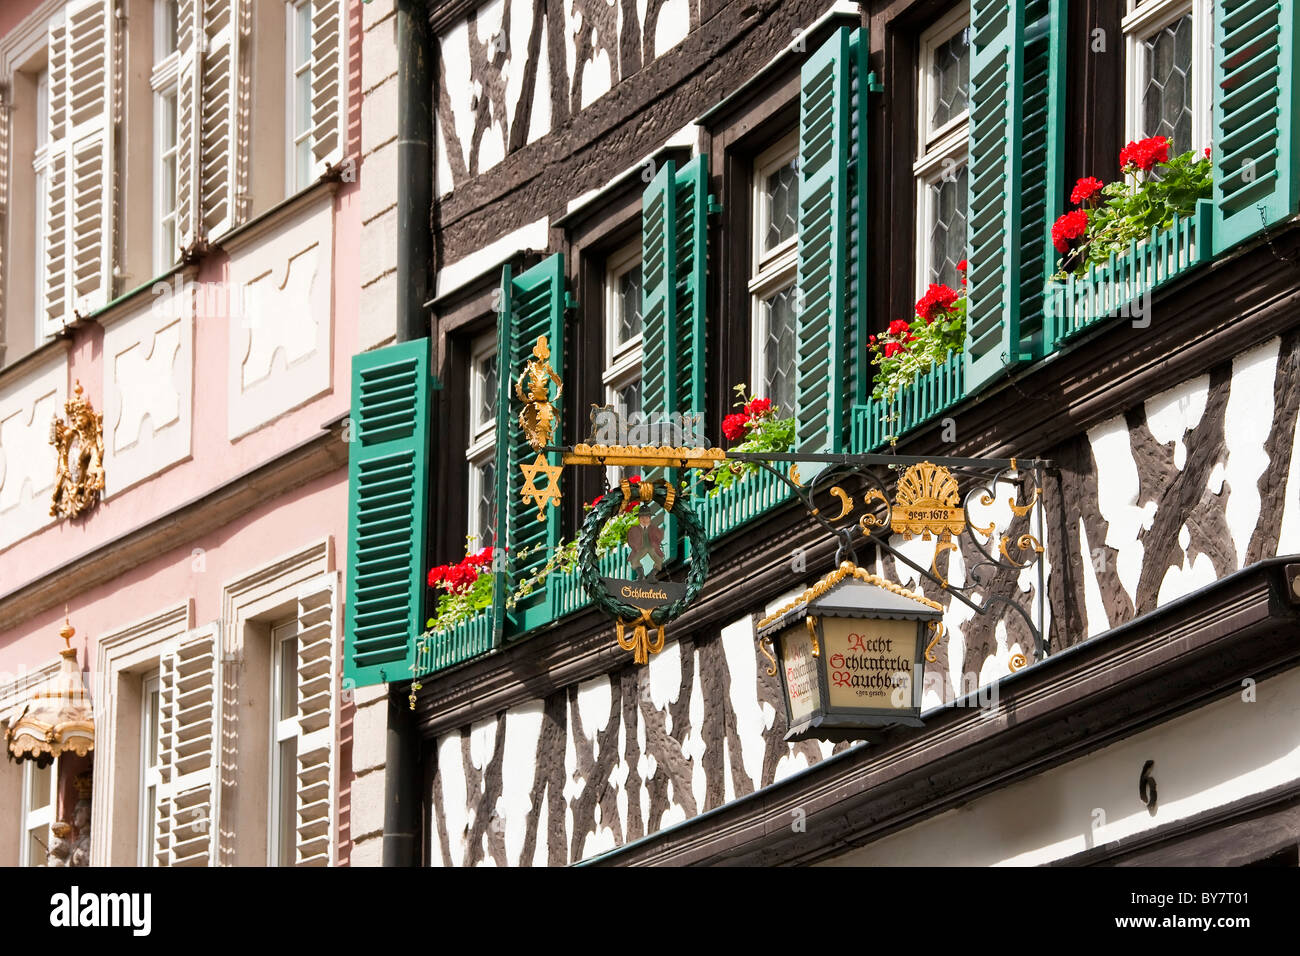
(530, 490)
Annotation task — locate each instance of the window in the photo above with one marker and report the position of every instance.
(775, 218)
(150, 766)
(943, 83)
(163, 82)
(481, 453)
(284, 744)
(1168, 55)
(40, 167)
(623, 324)
(40, 798)
(298, 86)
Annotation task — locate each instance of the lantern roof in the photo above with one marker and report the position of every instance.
(58, 717)
(851, 591)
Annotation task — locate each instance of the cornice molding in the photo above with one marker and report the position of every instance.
(319, 455)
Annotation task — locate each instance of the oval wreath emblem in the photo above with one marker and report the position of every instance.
(642, 620)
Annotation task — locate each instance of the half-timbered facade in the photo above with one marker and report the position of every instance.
(684, 196)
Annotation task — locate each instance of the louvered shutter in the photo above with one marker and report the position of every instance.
(190, 39)
(832, 199)
(1256, 161)
(185, 830)
(659, 365)
(387, 511)
(57, 252)
(318, 694)
(533, 304)
(328, 48)
(89, 117)
(4, 200)
(223, 145)
(997, 111)
(1043, 174)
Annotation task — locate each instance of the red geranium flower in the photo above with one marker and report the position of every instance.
(1084, 189)
(437, 575)
(897, 327)
(759, 406)
(1144, 153)
(961, 266)
(733, 426)
(892, 349)
(937, 298)
(1068, 228)
(1207, 152)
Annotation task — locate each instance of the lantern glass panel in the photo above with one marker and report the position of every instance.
(869, 662)
(802, 687)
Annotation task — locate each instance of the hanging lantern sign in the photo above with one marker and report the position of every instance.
(850, 651)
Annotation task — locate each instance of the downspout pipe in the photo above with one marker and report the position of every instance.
(402, 771)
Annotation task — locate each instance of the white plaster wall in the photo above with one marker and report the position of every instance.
(281, 330)
(27, 459)
(148, 389)
(1222, 752)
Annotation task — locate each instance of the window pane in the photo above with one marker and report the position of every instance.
(1167, 95)
(627, 398)
(781, 195)
(288, 678)
(950, 73)
(168, 131)
(485, 506)
(154, 704)
(778, 350)
(170, 31)
(948, 228)
(302, 33)
(36, 846)
(288, 796)
(488, 386)
(629, 304)
(302, 102)
(150, 821)
(38, 796)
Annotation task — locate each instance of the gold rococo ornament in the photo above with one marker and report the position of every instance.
(78, 442)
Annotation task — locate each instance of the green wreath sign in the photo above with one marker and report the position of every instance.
(626, 615)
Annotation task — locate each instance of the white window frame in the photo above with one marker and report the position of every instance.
(623, 359)
(282, 731)
(38, 818)
(1139, 24)
(482, 434)
(40, 168)
(296, 140)
(939, 150)
(775, 269)
(150, 773)
(164, 82)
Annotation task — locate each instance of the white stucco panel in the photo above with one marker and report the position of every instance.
(1246, 424)
(148, 389)
(281, 336)
(27, 459)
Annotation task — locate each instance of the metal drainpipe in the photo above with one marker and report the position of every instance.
(402, 772)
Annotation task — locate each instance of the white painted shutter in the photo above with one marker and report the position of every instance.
(317, 722)
(188, 741)
(328, 100)
(318, 698)
(4, 197)
(223, 145)
(55, 255)
(190, 45)
(89, 38)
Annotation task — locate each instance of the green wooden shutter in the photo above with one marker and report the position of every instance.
(387, 511)
(1256, 179)
(659, 291)
(532, 305)
(832, 201)
(691, 209)
(996, 163)
(1042, 181)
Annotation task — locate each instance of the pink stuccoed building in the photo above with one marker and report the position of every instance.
(179, 237)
